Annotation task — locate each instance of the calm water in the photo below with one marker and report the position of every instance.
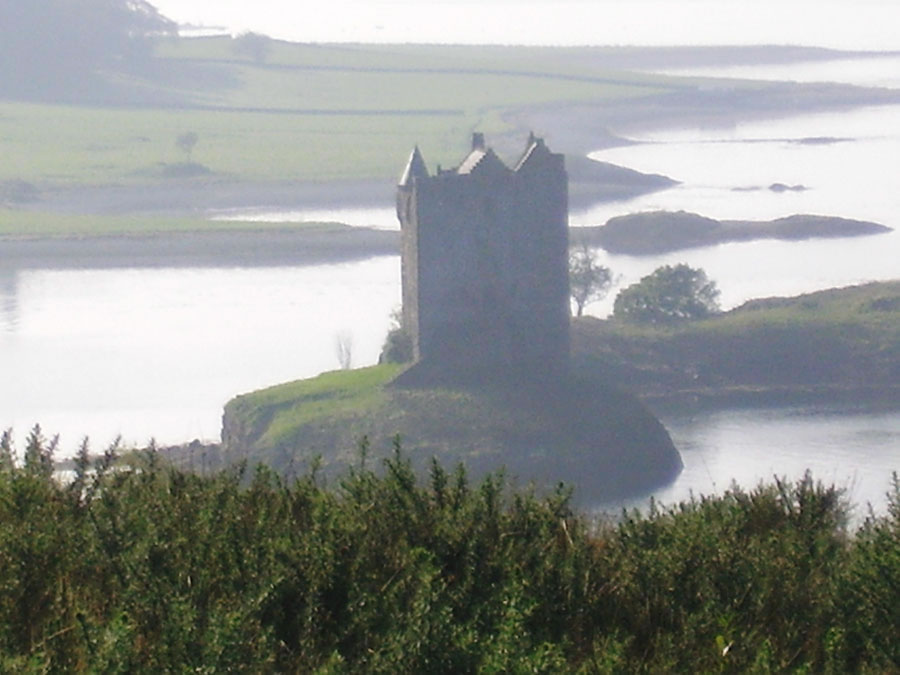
(854, 450)
(158, 352)
(876, 71)
(725, 173)
(857, 24)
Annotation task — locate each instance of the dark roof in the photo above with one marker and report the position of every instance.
(481, 160)
(535, 148)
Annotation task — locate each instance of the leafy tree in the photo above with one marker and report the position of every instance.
(398, 346)
(343, 348)
(589, 281)
(186, 143)
(45, 43)
(7, 451)
(39, 453)
(255, 46)
(670, 293)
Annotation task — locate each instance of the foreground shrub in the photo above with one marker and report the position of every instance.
(137, 566)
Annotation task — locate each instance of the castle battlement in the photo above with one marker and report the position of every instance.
(485, 259)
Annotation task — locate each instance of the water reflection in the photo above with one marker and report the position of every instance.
(9, 300)
(851, 449)
(380, 218)
(157, 352)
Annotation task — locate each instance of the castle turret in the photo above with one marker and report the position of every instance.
(415, 168)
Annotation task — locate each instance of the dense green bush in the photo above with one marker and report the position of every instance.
(670, 293)
(397, 347)
(137, 566)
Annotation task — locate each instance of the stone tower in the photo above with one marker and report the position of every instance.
(485, 260)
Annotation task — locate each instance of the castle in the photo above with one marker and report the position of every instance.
(485, 260)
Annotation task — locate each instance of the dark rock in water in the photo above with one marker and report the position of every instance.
(774, 187)
(821, 140)
(781, 187)
(657, 232)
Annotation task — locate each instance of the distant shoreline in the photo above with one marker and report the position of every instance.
(266, 247)
(575, 130)
(652, 233)
(876, 398)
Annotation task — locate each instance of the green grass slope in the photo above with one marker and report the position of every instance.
(309, 112)
(839, 343)
(547, 430)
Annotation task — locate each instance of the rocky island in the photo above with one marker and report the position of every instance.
(486, 313)
(656, 232)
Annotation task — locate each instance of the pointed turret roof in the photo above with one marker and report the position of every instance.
(534, 148)
(481, 158)
(415, 168)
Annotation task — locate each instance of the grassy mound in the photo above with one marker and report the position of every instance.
(838, 343)
(542, 430)
(655, 232)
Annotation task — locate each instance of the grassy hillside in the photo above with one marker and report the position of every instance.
(839, 342)
(575, 430)
(308, 112)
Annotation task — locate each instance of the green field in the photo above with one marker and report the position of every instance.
(278, 413)
(308, 113)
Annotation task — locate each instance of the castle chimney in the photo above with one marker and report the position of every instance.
(478, 141)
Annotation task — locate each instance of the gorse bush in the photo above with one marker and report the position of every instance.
(137, 566)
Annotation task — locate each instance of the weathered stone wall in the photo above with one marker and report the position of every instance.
(485, 261)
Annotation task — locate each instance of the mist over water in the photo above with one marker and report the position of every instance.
(859, 25)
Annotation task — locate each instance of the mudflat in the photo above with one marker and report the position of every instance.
(270, 246)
